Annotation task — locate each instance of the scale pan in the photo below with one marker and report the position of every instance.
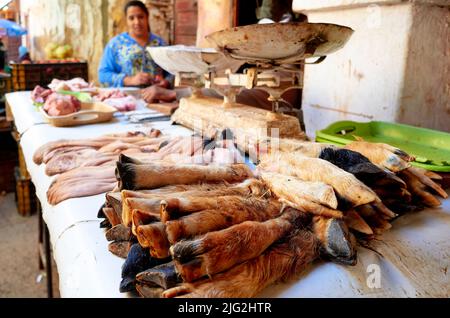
(280, 43)
(189, 59)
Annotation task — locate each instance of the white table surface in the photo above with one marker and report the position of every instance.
(27, 117)
(416, 252)
(73, 224)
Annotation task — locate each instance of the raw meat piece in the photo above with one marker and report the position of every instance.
(76, 84)
(40, 94)
(60, 105)
(109, 93)
(124, 104)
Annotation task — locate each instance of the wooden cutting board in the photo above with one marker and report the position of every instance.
(251, 120)
(249, 125)
(164, 108)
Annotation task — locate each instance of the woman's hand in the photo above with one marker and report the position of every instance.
(155, 93)
(162, 83)
(138, 79)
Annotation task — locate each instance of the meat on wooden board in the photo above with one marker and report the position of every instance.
(60, 105)
(40, 94)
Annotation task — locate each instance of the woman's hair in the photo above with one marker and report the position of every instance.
(136, 3)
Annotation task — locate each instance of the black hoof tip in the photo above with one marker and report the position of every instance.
(339, 247)
(127, 285)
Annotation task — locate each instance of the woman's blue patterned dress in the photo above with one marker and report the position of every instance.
(123, 56)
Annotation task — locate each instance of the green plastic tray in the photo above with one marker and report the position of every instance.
(430, 147)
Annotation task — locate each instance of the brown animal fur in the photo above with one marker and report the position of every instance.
(152, 206)
(218, 251)
(212, 220)
(373, 218)
(384, 210)
(344, 184)
(281, 262)
(416, 187)
(175, 208)
(142, 218)
(120, 248)
(114, 200)
(355, 222)
(112, 216)
(118, 233)
(151, 176)
(154, 237)
(246, 188)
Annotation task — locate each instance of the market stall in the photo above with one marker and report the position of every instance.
(224, 195)
(73, 217)
(412, 257)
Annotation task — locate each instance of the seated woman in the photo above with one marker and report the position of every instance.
(125, 61)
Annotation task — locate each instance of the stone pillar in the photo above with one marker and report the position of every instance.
(396, 66)
(213, 16)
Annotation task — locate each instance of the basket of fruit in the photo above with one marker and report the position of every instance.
(60, 64)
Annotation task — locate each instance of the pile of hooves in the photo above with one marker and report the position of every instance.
(226, 231)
